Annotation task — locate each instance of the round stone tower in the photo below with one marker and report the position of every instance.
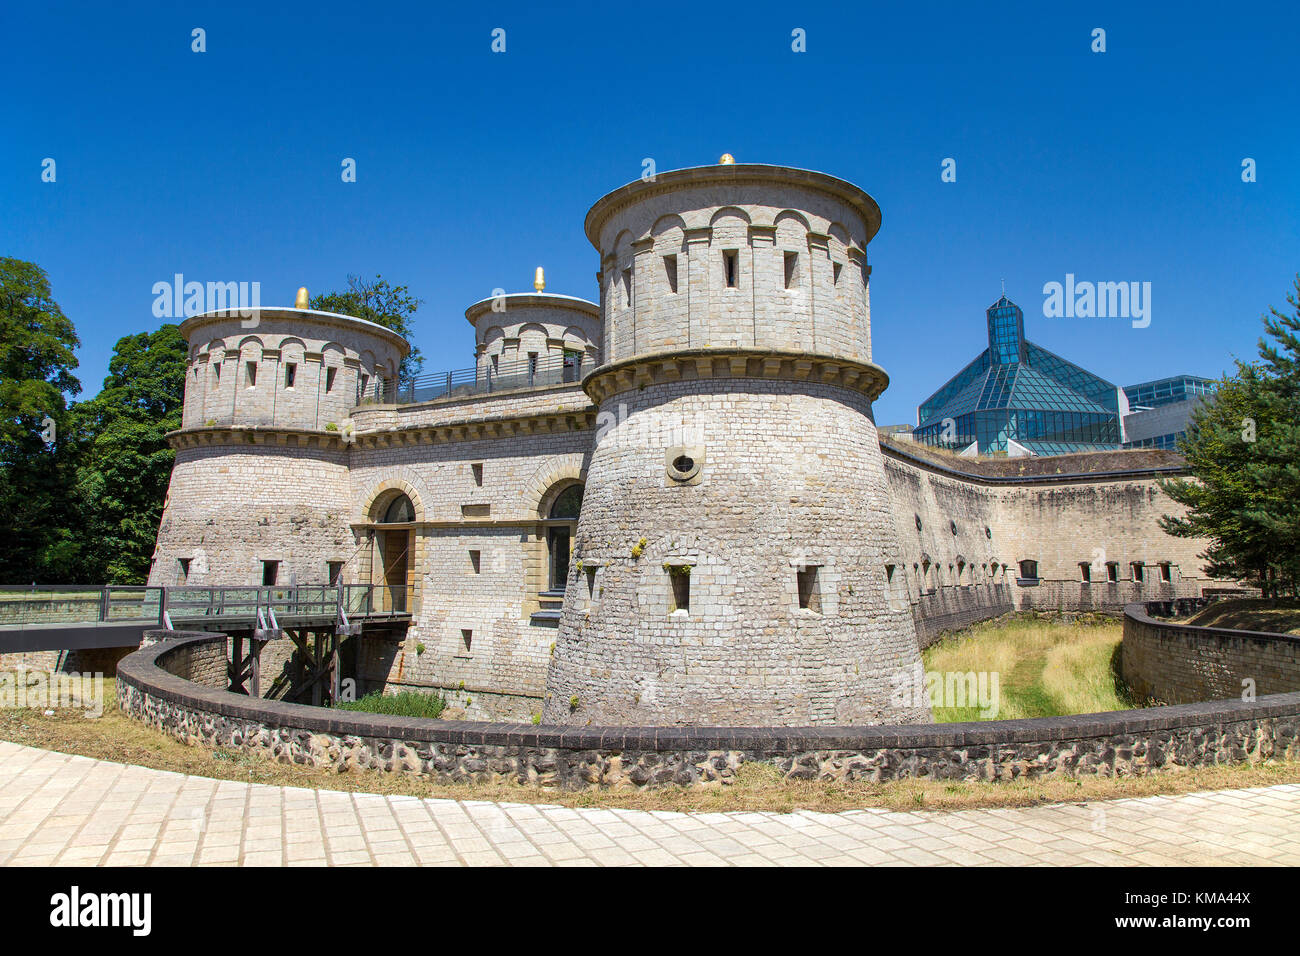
(735, 560)
(260, 491)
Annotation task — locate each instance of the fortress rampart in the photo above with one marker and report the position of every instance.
(723, 415)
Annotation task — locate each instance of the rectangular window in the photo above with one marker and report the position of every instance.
(810, 594)
(1112, 571)
(1137, 571)
(363, 385)
(250, 373)
(532, 366)
(270, 571)
(680, 578)
(466, 639)
(475, 560)
(329, 379)
(335, 569)
(216, 371)
(477, 470)
(731, 267)
(290, 373)
(627, 287)
(835, 272)
(1166, 572)
(1085, 570)
(670, 270)
(791, 269)
(185, 569)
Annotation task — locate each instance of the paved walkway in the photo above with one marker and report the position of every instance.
(57, 809)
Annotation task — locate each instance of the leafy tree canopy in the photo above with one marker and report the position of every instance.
(375, 300)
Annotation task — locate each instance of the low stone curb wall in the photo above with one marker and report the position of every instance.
(1113, 744)
(1178, 663)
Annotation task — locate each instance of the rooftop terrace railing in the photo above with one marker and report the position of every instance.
(531, 372)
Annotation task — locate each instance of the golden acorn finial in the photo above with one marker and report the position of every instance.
(539, 281)
(727, 160)
(301, 301)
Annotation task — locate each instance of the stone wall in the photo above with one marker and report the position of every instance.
(1177, 663)
(1123, 743)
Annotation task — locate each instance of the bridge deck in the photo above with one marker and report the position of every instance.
(78, 617)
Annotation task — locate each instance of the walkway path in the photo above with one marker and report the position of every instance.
(59, 809)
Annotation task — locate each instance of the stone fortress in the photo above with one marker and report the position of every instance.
(671, 508)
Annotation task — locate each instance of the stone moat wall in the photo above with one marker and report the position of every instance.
(1178, 663)
(153, 688)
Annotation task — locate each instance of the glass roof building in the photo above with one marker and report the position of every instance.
(1018, 393)
(1166, 391)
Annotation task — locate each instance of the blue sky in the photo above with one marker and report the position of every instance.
(473, 168)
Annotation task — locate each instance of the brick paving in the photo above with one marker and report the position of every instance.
(57, 809)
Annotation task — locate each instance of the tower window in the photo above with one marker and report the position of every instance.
(680, 578)
(475, 560)
(329, 379)
(185, 569)
(363, 386)
(290, 373)
(791, 270)
(627, 287)
(670, 271)
(216, 371)
(731, 267)
(1137, 571)
(835, 272)
(335, 570)
(1166, 572)
(810, 595)
(1112, 571)
(1029, 570)
(466, 638)
(477, 470)
(1085, 572)
(250, 373)
(270, 571)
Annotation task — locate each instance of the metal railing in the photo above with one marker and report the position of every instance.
(531, 372)
(265, 606)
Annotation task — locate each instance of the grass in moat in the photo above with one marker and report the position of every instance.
(1039, 668)
(115, 737)
(408, 703)
(1277, 616)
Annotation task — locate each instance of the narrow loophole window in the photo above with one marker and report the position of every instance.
(466, 637)
(329, 379)
(1137, 571)
(477, 470)
(475, 560)
(680, 592)
(1085, 572)
(835, 272)
(670, 271)
(290, 374)
(627, 287)
(791, 270)
(1112, 571)
(1166, 572)
(731, 267)
(185, 569)
(810, 595)
(250, 373)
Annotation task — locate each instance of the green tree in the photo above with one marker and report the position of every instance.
(36, 363)
(123, 458)
(1243, 452)
(377, 301)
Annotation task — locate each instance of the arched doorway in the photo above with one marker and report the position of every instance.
(396, 546)
(561, 522)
